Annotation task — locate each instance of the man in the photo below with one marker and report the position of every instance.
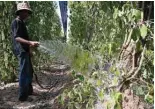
(21, 48)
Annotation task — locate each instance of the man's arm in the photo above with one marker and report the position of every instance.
(21, 40)
(31, 43)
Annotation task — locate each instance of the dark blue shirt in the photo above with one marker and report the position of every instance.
(18, 29)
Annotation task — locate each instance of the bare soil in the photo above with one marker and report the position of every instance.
(44, 99)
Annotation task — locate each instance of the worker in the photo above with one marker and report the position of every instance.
(21, 49)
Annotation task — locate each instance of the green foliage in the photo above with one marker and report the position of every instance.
(102, 28)
(149, 98)
(8, 62)
(143, 30)
(115, 101)
(44, 22)
(81, 96)
(136, 14)
(101, 95)
(148, 66)
(117, 96)
(80, 77)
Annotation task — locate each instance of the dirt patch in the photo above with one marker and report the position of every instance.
(131, 101)
(44, 98)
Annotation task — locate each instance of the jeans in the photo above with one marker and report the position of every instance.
(25, 75)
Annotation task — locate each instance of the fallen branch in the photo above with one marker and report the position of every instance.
(132, 71)
(141, 80)
(138, 69)
(133, 65)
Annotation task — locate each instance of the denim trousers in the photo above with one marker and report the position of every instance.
(25, 74)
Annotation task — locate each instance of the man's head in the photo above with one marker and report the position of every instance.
(23, 10)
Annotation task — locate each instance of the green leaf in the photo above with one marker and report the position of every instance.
(136, 13)
(143, 31)
(80, 77)
(149, 98)
(138, 46)
(95, 73)
(110, 46)
(117, 106)
(118, 97)
(136, 34)
(101, 94)
(115, 81)
(99, 83)
(3, 36)
(80, 97)
(115, 13)
(117, 73)
(142, 15)
(73, 73)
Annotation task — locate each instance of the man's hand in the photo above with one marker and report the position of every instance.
(33, 43)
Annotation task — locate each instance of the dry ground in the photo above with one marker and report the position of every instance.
(45, 99)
